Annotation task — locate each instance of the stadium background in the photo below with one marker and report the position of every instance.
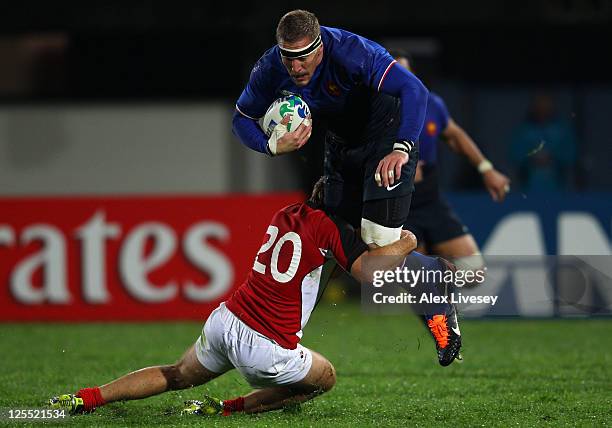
(122, 186)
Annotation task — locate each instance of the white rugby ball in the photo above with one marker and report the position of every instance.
(291, 105)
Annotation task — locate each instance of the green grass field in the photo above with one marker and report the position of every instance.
(516, 372)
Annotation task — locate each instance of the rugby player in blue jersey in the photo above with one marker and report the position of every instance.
(437, 228)
(372, 110)
(353, 88)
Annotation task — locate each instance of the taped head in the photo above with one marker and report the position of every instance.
(299, 40)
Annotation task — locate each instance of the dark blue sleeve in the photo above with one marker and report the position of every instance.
(413, 94)
(252, 105)
(259, 92)
(443, 114)
(376, 68)
(249, 133)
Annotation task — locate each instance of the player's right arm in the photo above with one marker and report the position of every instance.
(387, 257)
(496, 183)
(252, 105)
(353, 254)
(460, 141)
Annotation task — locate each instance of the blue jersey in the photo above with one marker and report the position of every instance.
(436, 121)
(343, 89)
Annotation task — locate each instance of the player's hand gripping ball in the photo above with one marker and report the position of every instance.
(291, 105)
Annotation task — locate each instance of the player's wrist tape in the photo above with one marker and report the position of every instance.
(277, 133)
(403, 146)
(485, 166)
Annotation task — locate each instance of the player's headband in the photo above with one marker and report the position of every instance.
(299, 53)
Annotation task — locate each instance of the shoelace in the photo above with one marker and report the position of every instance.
(437, 325)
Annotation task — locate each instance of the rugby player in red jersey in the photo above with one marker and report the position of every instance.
(258, 329)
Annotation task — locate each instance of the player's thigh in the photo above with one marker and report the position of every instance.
(461, 246)
(404, 185)
(387, 206)
(262, 361)
(351, 206)
(210, 348)
(343, 184)
(191, 370)
(321, 376)
(444, 232)
(463, 252)
(416, 224)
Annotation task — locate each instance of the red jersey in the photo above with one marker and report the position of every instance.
(281, 290)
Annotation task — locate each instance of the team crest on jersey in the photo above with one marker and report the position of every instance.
(333, 88)
(431, 128)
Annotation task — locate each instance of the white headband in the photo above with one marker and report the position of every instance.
(301, 52)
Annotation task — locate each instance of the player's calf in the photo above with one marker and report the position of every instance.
(187, 372)
(143, 383)
(444, 325)
(320, 378)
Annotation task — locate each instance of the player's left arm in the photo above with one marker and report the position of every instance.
(399, 82)
(377, 69)
(458, 140)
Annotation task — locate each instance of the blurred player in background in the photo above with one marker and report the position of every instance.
(371, 108)
(543, 148)
(258, 329)
(437, 228)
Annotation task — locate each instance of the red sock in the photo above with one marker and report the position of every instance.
(92, 398)
(231, 406)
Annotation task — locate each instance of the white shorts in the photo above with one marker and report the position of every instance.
(226, 342)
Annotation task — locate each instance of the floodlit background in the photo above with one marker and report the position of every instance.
(88, 91)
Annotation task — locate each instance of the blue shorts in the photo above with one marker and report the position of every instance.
(350, 171)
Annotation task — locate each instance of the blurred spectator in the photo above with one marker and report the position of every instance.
(543, 148)
(33, 64)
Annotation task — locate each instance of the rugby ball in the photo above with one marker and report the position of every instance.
(291, 105)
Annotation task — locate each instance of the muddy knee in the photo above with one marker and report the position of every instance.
(174, 377)
(328, 377)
